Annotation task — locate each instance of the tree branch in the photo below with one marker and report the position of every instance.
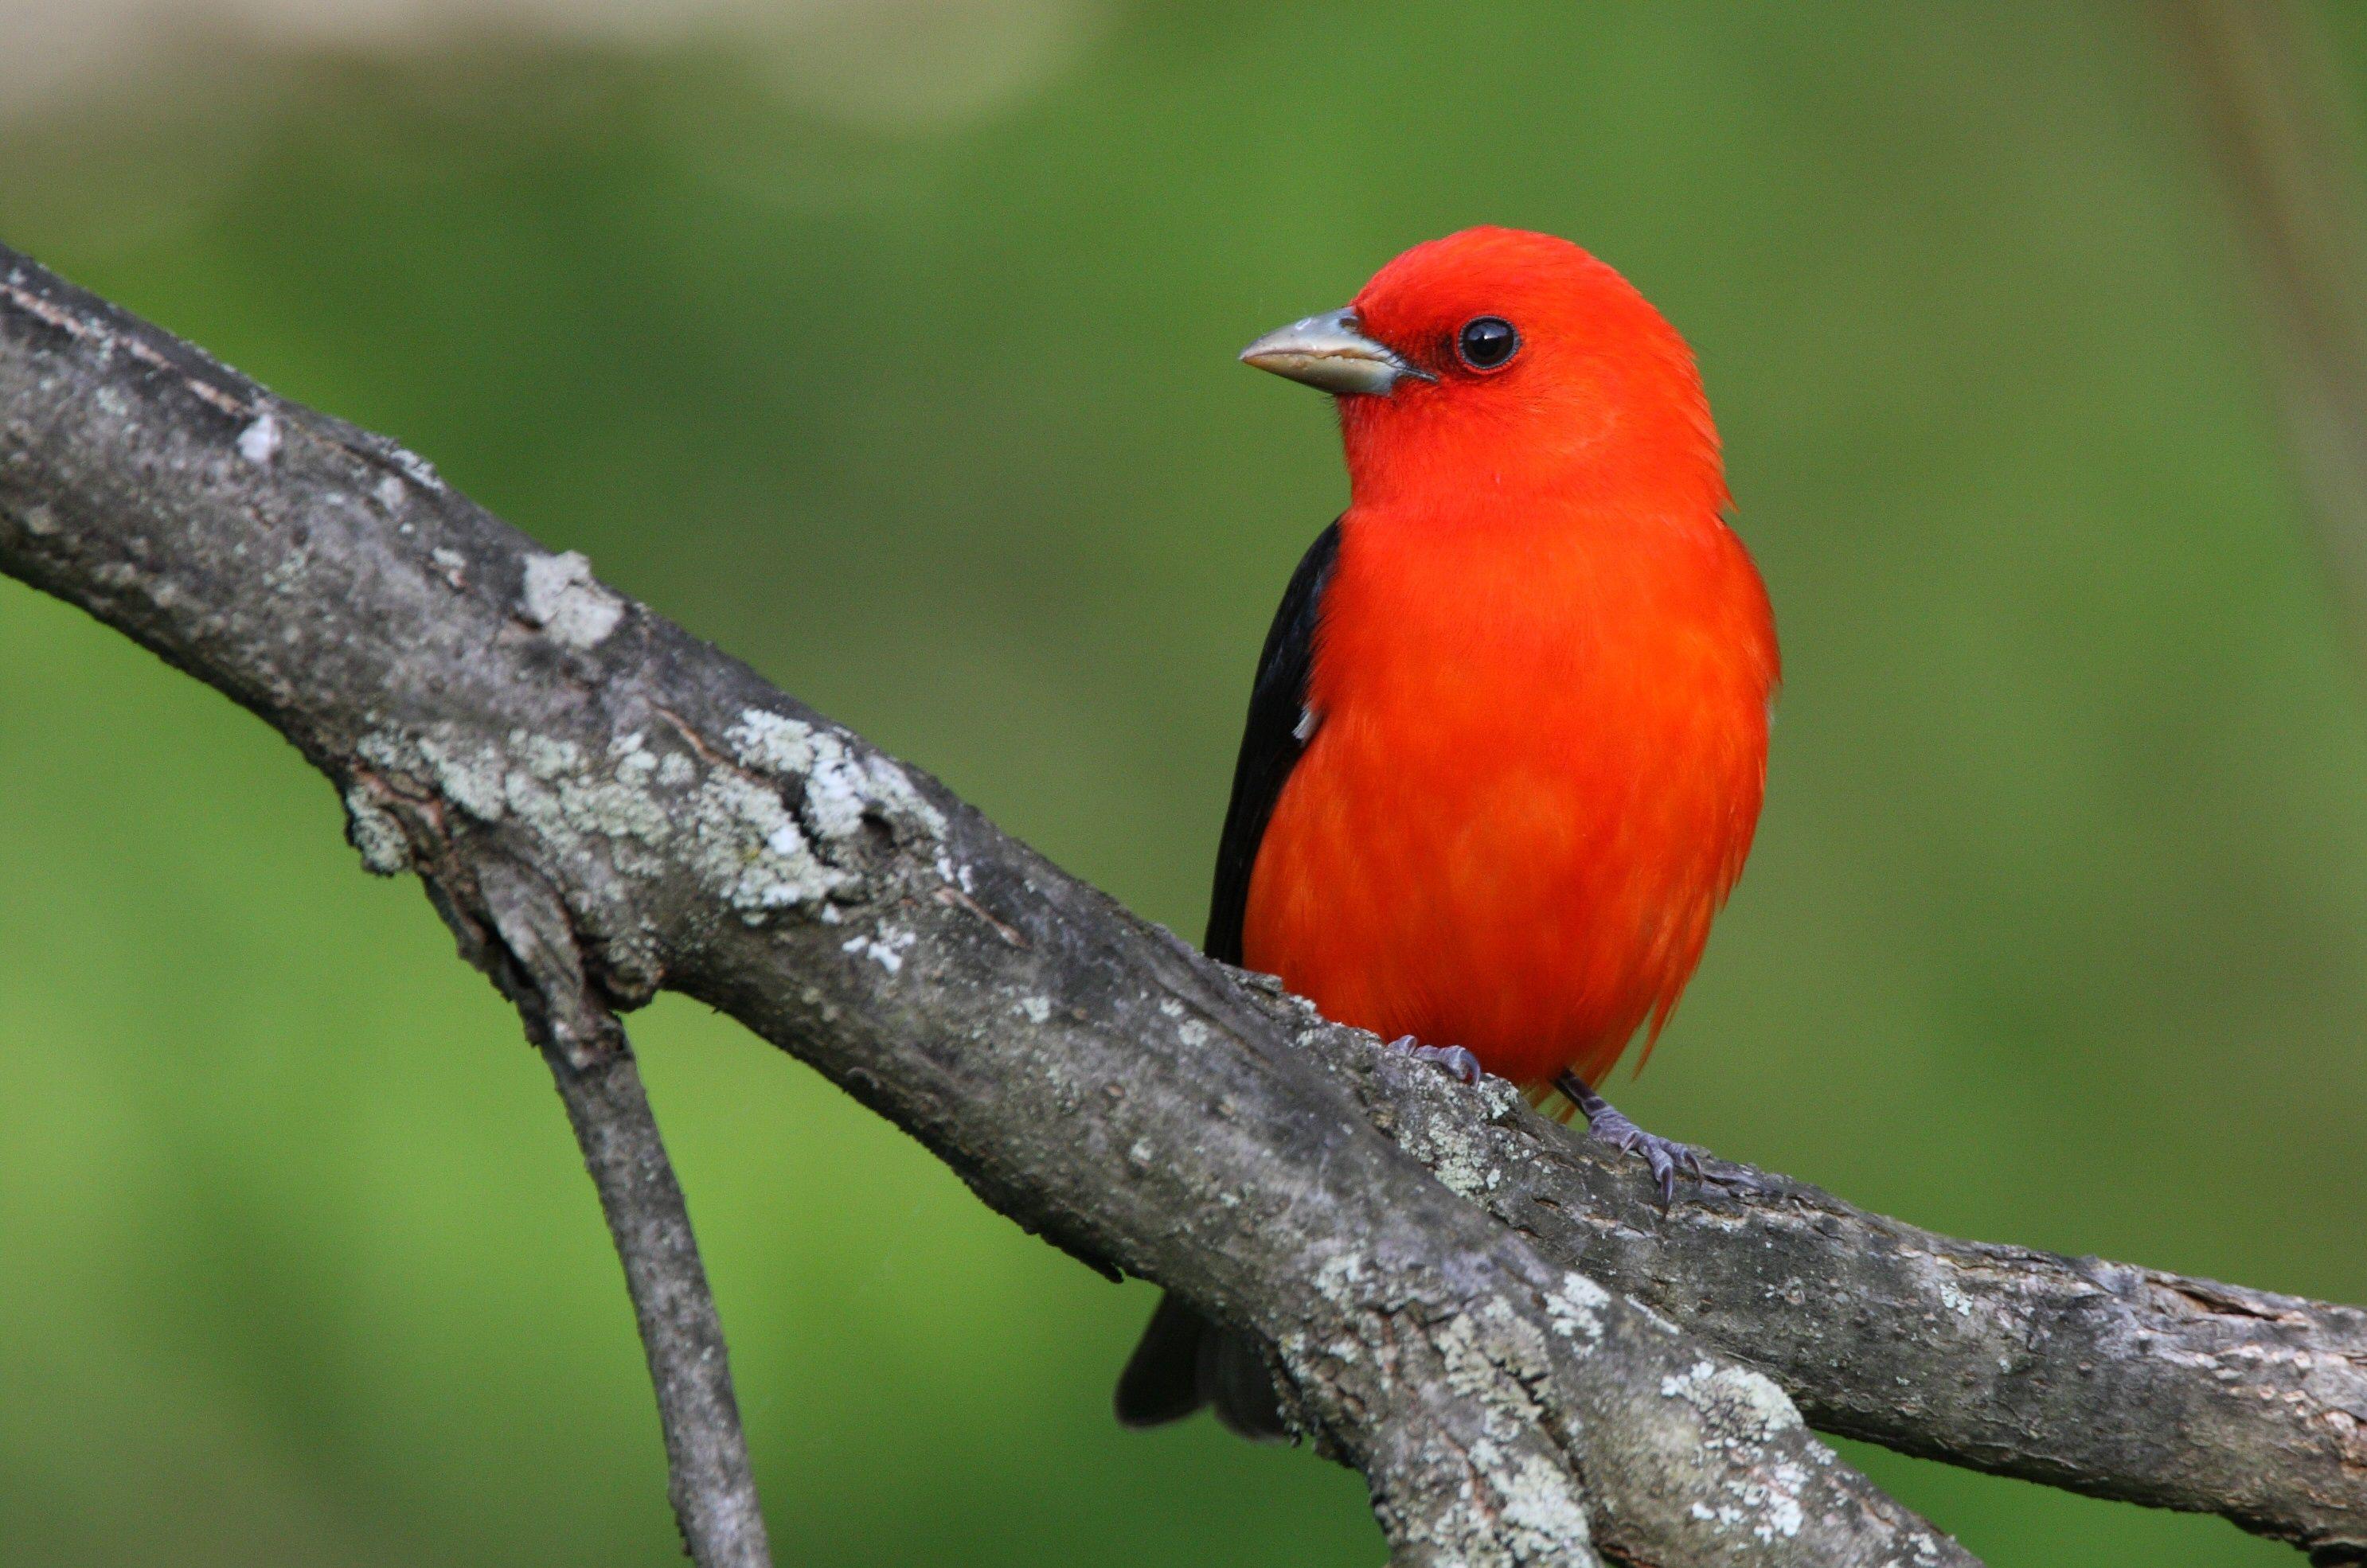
(2102, 1378)
(530, 953)
(479, 702)
(713, 1494)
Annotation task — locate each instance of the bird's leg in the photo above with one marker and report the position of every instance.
(1665, 1156)
(1453, 1059)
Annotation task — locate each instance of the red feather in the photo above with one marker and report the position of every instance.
(1543, 668)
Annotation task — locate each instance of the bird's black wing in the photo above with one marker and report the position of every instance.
(1185, 1362)
(1279, 727)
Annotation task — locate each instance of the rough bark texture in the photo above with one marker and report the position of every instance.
(480, 703)
(2099, 1377)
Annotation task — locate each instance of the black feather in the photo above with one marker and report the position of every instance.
(1161, 1381)
(1272, 741)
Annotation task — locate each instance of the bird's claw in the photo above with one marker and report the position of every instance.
(1664, 1156)
(1453, 1059)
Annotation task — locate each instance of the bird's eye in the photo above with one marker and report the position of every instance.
(1486, 343)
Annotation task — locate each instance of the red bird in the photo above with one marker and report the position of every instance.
(1508, 738)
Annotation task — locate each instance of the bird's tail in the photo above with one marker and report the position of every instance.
(1185, 1362)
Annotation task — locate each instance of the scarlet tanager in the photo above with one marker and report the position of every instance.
(1508, 737)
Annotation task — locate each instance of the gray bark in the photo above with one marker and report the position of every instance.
(480, 703)
(2099, 1377)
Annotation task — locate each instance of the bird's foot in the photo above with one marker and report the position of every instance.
(1453, 1059)
(1663, 1157)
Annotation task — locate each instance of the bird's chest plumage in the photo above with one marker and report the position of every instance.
(1538, 757)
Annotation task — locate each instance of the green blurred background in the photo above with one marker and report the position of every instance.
(891, 348)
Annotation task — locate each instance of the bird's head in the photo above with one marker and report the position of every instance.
(1498, 359)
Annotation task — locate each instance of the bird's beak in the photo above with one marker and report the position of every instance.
(1328, 352)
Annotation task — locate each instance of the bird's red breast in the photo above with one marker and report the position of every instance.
(1540, 689)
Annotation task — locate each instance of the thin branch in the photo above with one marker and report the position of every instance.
(713, 1494)
(531, 953)
(2268, 104)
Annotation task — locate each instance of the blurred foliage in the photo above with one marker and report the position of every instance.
(2056, 933)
